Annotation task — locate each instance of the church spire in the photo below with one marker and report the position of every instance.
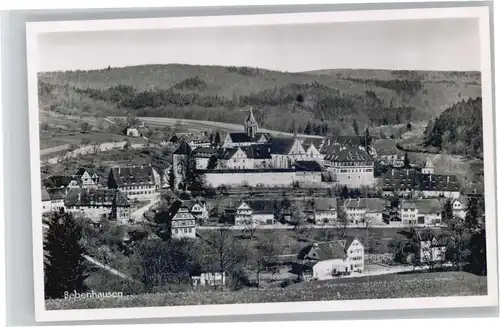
(251, 125)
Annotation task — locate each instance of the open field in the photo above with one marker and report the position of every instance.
(416, 285)
(56, 139)
(202, 125)
(375, 240)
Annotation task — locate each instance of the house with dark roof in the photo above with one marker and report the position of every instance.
(255, 212)
(322, 211)
(136, 182)
(349, 165)
(388, 154)
(325, 260)
(57, 198)
(98, 204)
(46, 201)
(415, 183)
(60, 182)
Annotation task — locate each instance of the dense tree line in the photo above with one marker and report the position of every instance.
(411, 87)
(459, 129)
(318, 101)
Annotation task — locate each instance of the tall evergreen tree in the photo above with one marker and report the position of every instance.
(368, 138)
(171, 178)
(355, 127)
(472, 214)
(406, 161)
(64, 270)
(193, 180)
(448, 211)
(211, 139)
(212, 163)
(308, 129)
(217, 138)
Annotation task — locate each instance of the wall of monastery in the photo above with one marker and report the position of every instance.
(251, 178)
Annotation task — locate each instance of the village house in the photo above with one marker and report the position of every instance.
(325, 260)
(255, 212)
(200, 211)
(432, 251)
(98, 204)
(365, 211)
(46, 201)
(459, 206)
(60, 182)
(322, 211)
(85, 177)
(424, 212)
(212, 279)
(183, 223)
(136, 182)
(57, 198)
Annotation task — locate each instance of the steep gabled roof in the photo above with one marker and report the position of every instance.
(281, 145)
(45, 195)
(183, 149)
(324, 251)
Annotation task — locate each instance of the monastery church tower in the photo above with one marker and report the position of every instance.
(251, 126)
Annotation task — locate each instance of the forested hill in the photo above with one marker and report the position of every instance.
(458, 129)
(332, 99)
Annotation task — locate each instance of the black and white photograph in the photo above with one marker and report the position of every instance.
(334, 161)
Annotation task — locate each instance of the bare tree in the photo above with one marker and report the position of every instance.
(250, 228)
(262, 254)
(342, 220)
(222, 251)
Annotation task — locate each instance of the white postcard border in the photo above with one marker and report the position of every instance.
(481, 13)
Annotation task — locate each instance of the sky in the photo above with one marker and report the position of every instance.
(431, 44)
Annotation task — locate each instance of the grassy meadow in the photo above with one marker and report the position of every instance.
(440, 284)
